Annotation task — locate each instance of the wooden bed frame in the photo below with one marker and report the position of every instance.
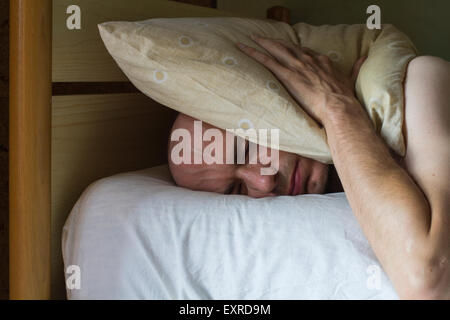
(74, 118)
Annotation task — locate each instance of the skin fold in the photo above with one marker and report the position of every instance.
(402, 204)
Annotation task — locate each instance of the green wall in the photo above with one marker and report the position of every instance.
(426, 22)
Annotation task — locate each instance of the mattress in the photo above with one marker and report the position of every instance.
(136, 235)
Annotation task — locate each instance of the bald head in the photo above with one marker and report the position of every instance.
(295, 175)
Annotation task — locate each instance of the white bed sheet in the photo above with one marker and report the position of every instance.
(138, 236)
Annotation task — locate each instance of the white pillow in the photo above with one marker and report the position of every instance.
(138, 236)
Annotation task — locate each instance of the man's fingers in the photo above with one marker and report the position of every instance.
(321, 59)
(278, 49)
(310, 51)
(304, 57)
(273, 65)
(292, 48)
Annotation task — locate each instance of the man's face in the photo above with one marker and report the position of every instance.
(296, 174)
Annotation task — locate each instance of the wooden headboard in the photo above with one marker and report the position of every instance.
(74, 118)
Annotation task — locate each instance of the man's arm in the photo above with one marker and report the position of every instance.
(406, 226)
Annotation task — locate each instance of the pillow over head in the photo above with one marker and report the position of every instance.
(192, 65)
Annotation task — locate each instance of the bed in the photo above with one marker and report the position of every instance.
(74, 118)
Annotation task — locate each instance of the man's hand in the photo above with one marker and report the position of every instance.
(402, 209)
(308, 76)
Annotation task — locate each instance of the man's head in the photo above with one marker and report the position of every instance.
(295, 175)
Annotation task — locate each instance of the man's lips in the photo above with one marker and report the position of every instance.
(296, 181)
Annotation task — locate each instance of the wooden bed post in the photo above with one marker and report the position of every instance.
(279, 13)
(30, 142)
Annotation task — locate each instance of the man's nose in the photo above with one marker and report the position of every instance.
(257, 184)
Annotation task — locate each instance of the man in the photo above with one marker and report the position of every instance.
(402, 204)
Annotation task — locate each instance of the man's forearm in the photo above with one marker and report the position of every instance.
(391, 209)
